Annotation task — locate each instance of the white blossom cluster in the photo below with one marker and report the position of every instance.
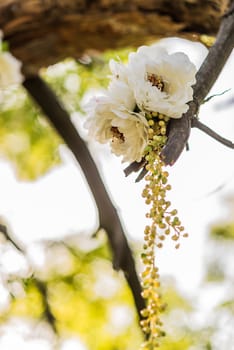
(153, 81)
(10, 70)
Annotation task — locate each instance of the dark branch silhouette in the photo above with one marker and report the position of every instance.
(41, 286)
(178, 134)
(197, 124)
(179, 130)
(48, 314)
(4, 231)
(108, 216)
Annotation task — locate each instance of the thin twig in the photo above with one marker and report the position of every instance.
(108, 216)
(134, 167)
(48, 314)
(215, 95)
(197, 124)
(41, 286)
(6, 234)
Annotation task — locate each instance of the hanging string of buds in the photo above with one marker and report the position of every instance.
(133, 117)
(164, 222)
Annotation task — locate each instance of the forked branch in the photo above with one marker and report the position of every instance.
(179, 129)
(206, 76)
(197, 124)
(41, 285)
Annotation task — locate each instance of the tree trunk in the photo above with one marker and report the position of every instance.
(42, 32)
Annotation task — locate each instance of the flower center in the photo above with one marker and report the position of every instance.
(117, 135)
(155, 80)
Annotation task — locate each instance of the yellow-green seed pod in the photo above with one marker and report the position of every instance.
(162, 225)
(174, 212)
(151, 122)
(175, 237)
(161, 123)
(144, 312)
(145, 294)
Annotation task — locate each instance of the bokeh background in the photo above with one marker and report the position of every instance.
(57, 286)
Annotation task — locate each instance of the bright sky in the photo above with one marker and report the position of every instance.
(60, 203)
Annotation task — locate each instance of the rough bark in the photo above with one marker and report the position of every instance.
(42, 32)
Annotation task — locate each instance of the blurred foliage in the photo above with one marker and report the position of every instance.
(76, 290)
(174, 299)
(223, 232)
(80, 289)
(26, 139)
(88, 299)
(229, 304)
(83, 297)
(221, 237)
(214, 271)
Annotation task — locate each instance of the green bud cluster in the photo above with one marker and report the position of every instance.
(164, 223)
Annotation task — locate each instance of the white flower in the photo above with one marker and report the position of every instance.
(152, 81)
(161, 82)
(9, 70)
(112, 123)
(119, 90)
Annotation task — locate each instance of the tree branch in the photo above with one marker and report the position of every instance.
(179, 129)
(134, 167)
(109, 219)
(43, 32)
(206, 76)
(197, 124)
(48, 314)
(41, 286)
(4, 231)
